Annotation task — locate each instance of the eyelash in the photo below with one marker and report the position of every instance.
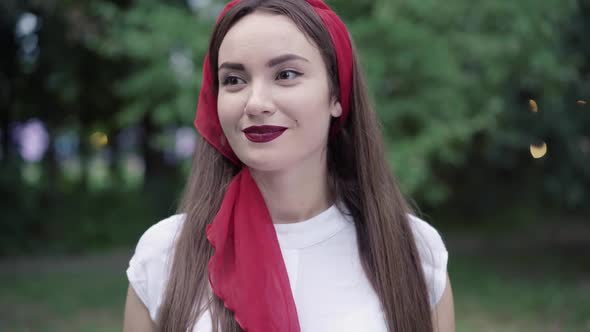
(225, 80)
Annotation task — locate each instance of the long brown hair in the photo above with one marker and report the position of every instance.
(359, 177)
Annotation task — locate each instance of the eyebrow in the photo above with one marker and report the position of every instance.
(284, 58)
(271, 63)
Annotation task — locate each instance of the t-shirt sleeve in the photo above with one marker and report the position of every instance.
(433, 256)
(149, 266)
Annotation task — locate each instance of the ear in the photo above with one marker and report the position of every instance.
(336, 109)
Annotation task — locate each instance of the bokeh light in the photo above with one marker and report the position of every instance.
(538, 150)
(66, 145)
(26, 36)
(26, 25)
(99, 139)
(184, 142)
(533, 106)
(31, 173)
(32, 140)
(133, 170)
(71, 169)
(98, 172)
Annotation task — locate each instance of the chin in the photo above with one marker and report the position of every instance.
(263, 165)
(264, 162)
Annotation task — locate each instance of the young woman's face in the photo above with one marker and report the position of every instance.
(274, 103)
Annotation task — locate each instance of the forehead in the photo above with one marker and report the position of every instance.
(264, 35)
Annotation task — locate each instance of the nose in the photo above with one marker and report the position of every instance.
(259, 101)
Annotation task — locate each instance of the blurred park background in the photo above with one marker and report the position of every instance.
(485, 110)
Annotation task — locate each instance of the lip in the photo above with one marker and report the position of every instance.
(263, 134)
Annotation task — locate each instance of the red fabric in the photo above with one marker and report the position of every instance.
(247, 271)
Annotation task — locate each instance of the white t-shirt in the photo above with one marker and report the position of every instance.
(330, 288)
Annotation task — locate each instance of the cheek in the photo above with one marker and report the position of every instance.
(308, 105)
(229, 111)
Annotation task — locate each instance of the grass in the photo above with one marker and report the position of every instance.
(516, 291)
(62, 301)
(499, 295)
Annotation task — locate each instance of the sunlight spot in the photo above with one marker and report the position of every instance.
(533, 106)
(99, 139)
(538, 151)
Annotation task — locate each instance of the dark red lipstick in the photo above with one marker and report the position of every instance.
(263, 134)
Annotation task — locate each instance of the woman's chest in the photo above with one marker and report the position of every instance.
(330, 289)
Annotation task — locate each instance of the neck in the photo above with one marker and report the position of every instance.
(295, 194)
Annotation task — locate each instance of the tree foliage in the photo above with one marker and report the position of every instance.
(451, 82)
(441, 75)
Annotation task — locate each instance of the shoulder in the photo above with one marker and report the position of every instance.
(160, 236)
(150, 263)
(426, 235)
(433, 256)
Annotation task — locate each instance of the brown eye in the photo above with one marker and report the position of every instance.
(287, 74)
(232, 80)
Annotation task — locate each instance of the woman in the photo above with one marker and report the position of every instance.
(291, 219)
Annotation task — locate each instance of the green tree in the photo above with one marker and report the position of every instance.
(450, 80)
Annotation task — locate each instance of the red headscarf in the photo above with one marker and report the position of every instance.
(247, 271)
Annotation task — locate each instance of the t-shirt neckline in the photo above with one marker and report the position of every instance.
(309, 232)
